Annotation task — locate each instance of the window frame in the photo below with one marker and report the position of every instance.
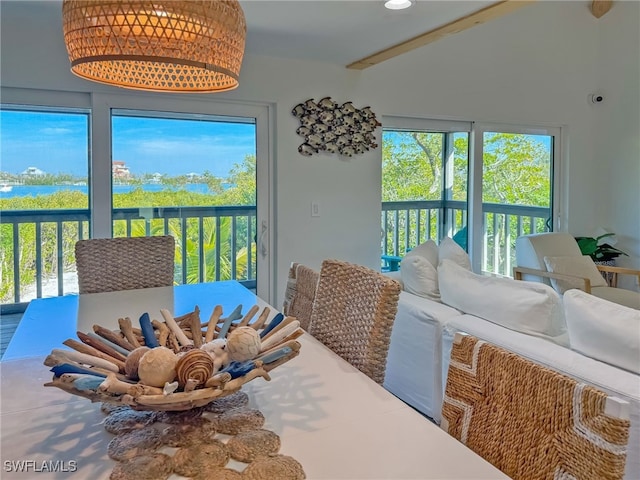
(18, 99)
(475, 218)
(448, 128)
(99, 106)
(476, 130)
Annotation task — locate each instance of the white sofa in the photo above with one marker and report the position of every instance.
(528, 318)
(415, 351)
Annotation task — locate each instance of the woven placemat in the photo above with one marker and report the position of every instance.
(182, 436)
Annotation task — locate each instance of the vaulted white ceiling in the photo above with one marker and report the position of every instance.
(340, 32)
(333, 31)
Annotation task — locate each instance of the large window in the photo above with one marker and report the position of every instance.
(80, 166)
(424, 182)
(44, 171)
(433, 187)
(517, 191)
(193, 177)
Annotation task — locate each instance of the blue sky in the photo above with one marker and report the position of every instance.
(57, 143)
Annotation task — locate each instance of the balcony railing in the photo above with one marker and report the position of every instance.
(36, 246)
(37, 255)
(407, 224)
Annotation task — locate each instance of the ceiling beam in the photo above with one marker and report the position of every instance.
(481, 16)
(600, 7)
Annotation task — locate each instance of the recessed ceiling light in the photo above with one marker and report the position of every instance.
(398, 4)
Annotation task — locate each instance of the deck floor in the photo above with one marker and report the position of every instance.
(8, 325)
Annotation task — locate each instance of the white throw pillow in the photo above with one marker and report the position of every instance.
(528, 307)
(576, 266)
(418, 271)
(428, 250)
(450, 250)
(603, 330)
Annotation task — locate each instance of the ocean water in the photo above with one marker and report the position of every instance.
(35, 190)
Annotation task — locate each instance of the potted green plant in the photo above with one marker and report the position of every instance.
(599, 252)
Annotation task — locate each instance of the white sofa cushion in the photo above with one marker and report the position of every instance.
(413, 370)
(418, 269)
(603, 330)
(577, 266)
(450, 250)
(528, 307)
(628, 298)
(428, 250)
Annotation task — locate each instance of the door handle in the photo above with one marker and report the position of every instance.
(262, 243)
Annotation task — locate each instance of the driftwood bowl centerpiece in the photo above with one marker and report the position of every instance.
(175, 364)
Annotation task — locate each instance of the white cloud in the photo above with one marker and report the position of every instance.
(56, 131)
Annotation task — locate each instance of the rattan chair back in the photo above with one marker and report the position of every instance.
(353, 314)
(300, 293)
(529, 421)
(124, 263)
(290, 290)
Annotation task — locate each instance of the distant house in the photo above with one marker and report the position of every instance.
(33, 172)
(119, 169)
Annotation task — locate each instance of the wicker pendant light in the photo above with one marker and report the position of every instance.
(162, 45)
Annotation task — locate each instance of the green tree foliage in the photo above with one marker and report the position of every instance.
(516, 171)
(188, 246)
(515, 168)
(242, 181)
(215, 184)
(180, 197)
(412, 170)
(411, 166)
(43, 179)
(47, 246)
(62, 199)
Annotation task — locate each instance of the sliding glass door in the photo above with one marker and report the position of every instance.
(192, 169)
(100, 165)
(483, 185)
(44, 199)
(192, 177)
(424, 182)
(516, 190)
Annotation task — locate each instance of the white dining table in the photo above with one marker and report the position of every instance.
(334, 420)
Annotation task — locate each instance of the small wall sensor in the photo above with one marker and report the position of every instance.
(596, 98)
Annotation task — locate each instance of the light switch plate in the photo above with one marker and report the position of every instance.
(315, 209)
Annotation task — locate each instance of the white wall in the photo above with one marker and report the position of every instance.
(535, 66)
(618, 151)
(540, 65)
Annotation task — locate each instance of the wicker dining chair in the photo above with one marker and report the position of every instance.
(529, 421)
(300, 293)
(353, 314)
(124, 263)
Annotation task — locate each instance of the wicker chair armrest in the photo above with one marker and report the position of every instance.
(519, 271)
